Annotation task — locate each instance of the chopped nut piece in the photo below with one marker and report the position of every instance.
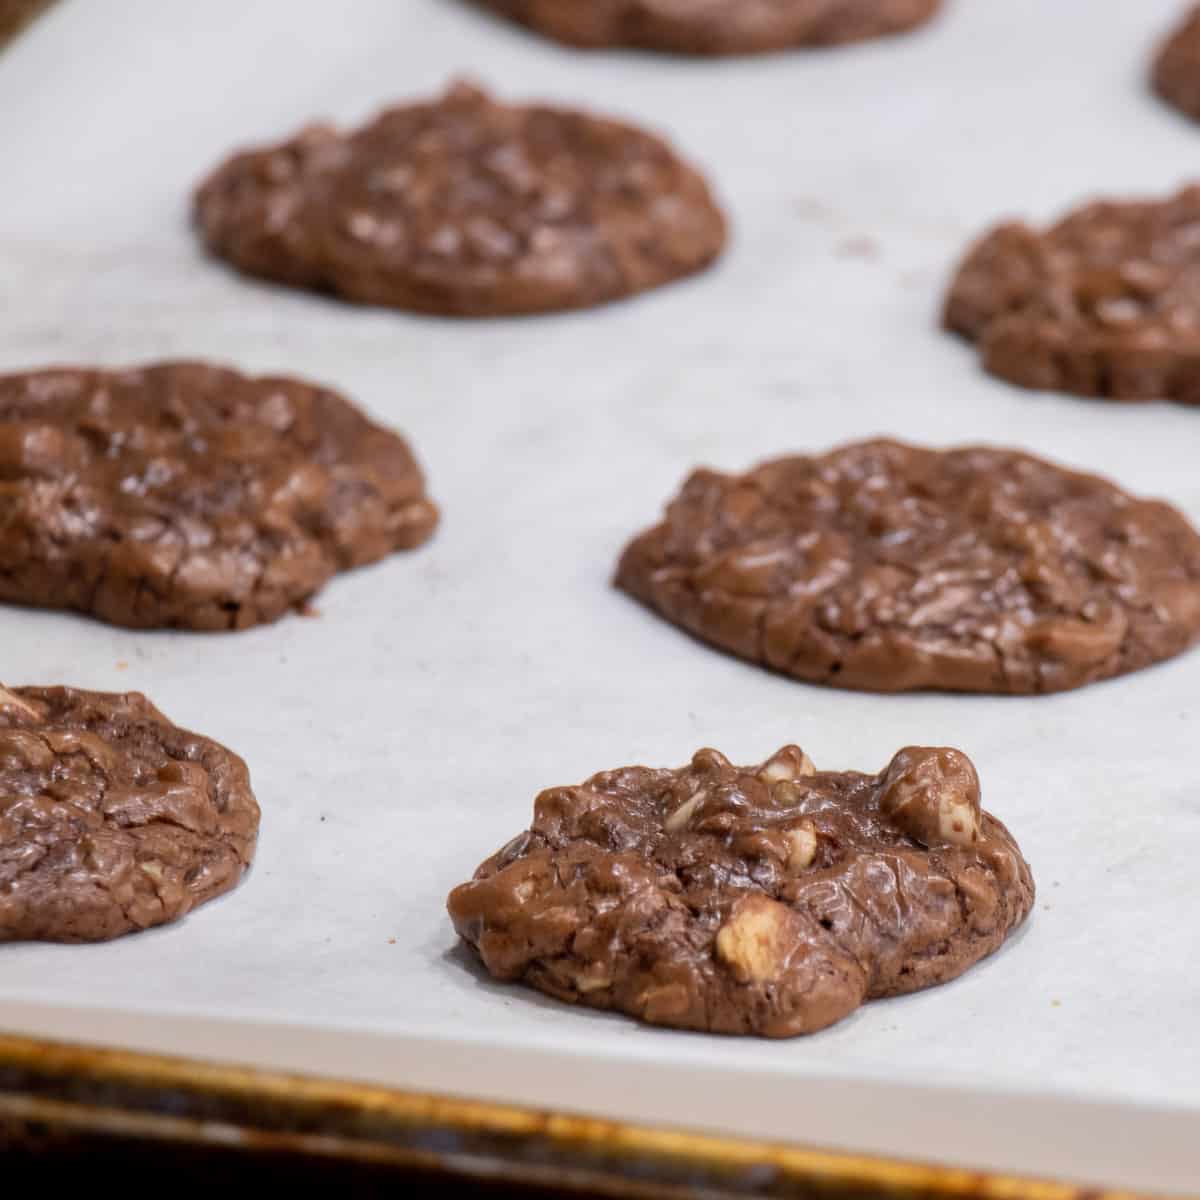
(932, 795)
(802, 846)
(683, 814)
(790, 763)
(593, 978)
(664, 1004)
(752, 943)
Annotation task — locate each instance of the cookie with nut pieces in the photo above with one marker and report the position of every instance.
(888, 567)
(770, 900)
(112, 819)
(1103, 303)
(186, 495)
(464, 206)
(715, 27)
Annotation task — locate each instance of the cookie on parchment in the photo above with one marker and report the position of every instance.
(112, 819)
(715, 27)
(1104, 303)
(190, 496)
(767, 900)
(887, 567)
(1176, 70)
(464, 206)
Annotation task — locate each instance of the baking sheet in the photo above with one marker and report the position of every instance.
(400, 736)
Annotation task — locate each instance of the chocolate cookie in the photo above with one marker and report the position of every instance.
(111, 818)
(1105, 303)
(191, 496)
(465, 207)
(1176, 71)
(16, 14)
(770, 900)
(889, 567)
(715, 26)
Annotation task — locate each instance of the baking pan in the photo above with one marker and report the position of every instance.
(66, 1108)
(399, 735)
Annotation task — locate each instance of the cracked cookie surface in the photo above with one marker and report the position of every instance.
(465, 207)
(1176, 71)
(1105, 303)
(111, 818)
(715, 27)
(769, 900)
(887, 567)
(189, 496)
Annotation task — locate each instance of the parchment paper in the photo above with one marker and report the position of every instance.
(401, 735)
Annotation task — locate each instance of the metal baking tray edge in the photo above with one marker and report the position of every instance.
(65, 1106)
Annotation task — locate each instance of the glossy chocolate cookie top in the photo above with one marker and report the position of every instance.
(467, 207)
(111, 818)
(765, 900)
(188, 495)
(715, 27)
(889, 567)
(1105, 303)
